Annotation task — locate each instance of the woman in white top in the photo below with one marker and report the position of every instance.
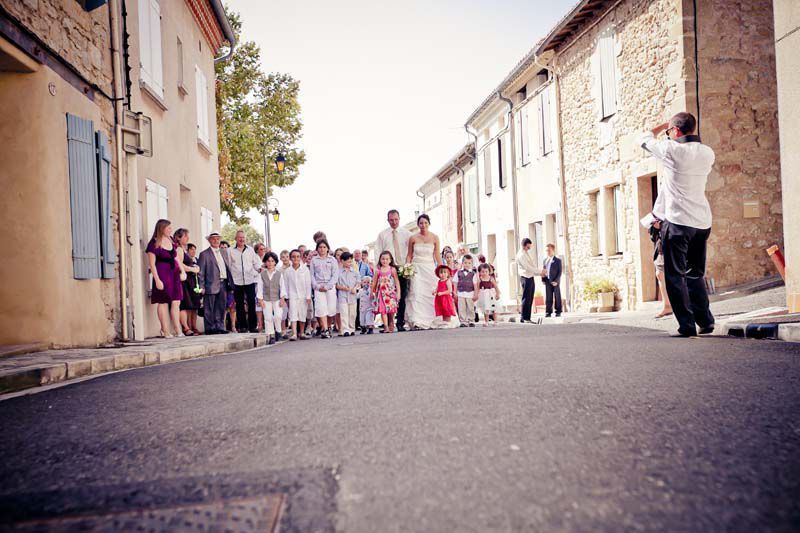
(423, 253)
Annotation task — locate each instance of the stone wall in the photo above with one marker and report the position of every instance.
(739, 108)
(598, 155)
(81, 39)
(655, 79)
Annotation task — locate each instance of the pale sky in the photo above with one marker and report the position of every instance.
(385, 89)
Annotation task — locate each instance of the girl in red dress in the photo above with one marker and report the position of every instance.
(443, 303)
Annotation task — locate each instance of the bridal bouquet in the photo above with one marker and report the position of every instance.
(406, 271)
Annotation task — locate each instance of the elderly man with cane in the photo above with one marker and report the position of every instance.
(683, 215)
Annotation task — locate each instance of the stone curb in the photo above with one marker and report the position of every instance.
(36, 375)
(788, 332)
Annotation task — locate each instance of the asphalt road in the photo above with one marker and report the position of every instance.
(515, 428)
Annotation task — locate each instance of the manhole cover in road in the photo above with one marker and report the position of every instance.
(262, 513)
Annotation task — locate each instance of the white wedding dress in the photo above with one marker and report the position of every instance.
(419, 303)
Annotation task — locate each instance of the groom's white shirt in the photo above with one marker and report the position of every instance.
(386, 243)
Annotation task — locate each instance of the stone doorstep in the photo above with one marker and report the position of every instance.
(45, 370)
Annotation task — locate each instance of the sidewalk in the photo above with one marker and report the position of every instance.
(731, 314)
(19, 372)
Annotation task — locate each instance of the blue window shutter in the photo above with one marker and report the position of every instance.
(108, 251)
(83, 198)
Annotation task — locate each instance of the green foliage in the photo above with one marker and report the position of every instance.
(595, 286)
(258, 115)
(251, 234)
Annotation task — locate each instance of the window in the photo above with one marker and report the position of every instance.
(524, 142)
(151, 71)
(472, 196)
(619, 227)
(201, 88)
(594, 222)
(487, 170)
(608, 73)
(89, 161)
(501, 179)
(181, 84)
(206, 225)
(156, 200)
(545, 133)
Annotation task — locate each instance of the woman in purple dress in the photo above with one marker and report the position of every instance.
(166, 265)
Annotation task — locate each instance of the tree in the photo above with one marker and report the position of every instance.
(251, 234)
(258, 115)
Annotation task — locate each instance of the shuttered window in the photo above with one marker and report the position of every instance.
(501, 164)
(487, 170)
(83, 198)
(107, 248)
(608, 73)
(524, 140)
(545, 134)
(201, 89)
(156, 198)
(206, 225)
(152, 72)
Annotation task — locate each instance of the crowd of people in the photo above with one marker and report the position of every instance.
(296, 294)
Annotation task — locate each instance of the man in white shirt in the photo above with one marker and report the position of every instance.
(526, 265)
(245, 267)
(684, 218)
(394, 239)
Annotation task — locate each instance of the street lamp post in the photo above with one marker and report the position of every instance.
(280, 165)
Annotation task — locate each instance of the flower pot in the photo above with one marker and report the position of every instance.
(605, 301)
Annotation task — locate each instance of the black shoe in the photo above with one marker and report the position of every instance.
(683, 333)
(462, 325)
(254, 331)
(708, 330)
(369, 331)
(271, 339)
(548, 315)
(558, 315)
(472, 324)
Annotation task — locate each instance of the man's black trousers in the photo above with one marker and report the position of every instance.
(245, 320)
(400, 317)
(528, 287)
(684, 251)
(552, 293)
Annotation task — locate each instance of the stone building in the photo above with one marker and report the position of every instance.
(61, 282)
(787, 43)
(76, 277)
(623, 67)
(449, 197)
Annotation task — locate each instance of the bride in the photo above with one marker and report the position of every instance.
(423, 253)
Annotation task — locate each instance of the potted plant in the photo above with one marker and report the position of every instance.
(602, 291)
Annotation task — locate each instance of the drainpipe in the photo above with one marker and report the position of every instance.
(227, 31)
(116, 62)
(477, 184)
(514, 200)
(561, 174)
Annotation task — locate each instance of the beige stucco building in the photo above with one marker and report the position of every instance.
(622, 68)
(449, 198)
(787, 44)
(68, 169)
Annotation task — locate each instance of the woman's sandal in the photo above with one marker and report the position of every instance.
(188, 332)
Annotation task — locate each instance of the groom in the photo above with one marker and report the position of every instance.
(394, 240)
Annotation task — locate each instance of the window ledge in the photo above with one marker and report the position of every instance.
(598, 258)
(616, 257)
(153, 94)
(205, 148)
(182, 90)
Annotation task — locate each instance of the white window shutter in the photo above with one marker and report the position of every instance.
(145, 50)
(155, 47)
(608, 73)
(547, 138)
(201, 89)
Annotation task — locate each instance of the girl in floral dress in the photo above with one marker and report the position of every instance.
(386, 290)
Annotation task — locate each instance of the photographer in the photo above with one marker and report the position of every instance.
(685, 219)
